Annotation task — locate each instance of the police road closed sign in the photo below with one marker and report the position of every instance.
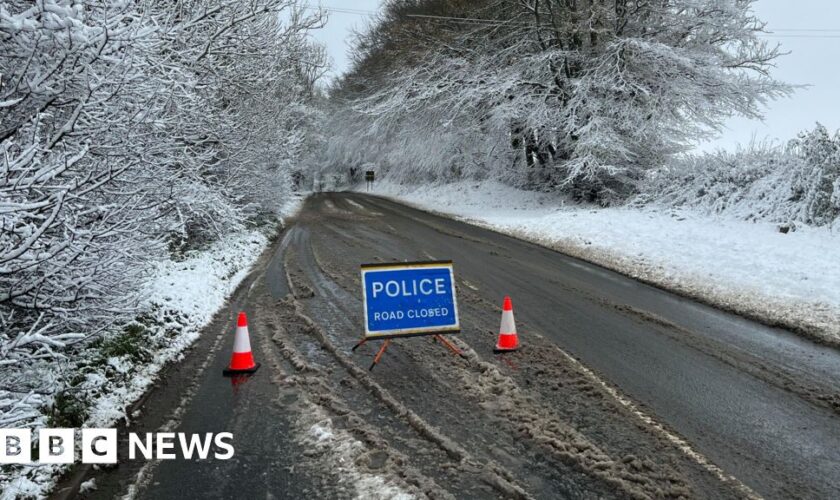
(416, 298)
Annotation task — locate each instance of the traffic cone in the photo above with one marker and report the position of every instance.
(508, 340)
(242, 361)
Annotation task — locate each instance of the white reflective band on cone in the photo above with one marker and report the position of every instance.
(241, 343)
(507, 325)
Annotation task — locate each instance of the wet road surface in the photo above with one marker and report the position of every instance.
(622, 389)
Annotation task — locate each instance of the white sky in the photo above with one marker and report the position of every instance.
(345, 16)
(814, 60)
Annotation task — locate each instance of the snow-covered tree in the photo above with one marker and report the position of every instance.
(125, 126)
(577, 95)
(70, 223)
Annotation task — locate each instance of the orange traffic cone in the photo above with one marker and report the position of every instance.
(508, 340)
(242, 361)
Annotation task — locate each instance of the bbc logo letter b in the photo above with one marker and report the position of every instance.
(55, 446)
(15, 446)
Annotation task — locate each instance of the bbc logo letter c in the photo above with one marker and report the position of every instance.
(99, 446)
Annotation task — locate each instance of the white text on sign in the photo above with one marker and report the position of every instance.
(424, 286)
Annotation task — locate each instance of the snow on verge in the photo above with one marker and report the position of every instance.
(196, 288)
(181, 297)
(792, 280)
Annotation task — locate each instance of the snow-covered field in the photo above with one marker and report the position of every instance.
(180, 297)
(790, 279)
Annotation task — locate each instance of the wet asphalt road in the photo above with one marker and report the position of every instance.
(758, 402)
(773, 440)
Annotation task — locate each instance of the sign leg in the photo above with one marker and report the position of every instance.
(379, 354)
(359, 344)
(451, 346)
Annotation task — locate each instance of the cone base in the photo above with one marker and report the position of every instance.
(498, 349)
(228, 372)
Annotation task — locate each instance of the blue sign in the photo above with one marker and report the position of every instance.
(409, 299)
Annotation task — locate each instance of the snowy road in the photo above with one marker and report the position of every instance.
(669, 397)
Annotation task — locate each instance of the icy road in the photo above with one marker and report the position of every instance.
(621, 389)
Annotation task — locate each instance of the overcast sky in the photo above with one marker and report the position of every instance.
(814, 59)
(345, 16)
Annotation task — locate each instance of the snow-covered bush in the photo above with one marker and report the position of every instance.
(795, 182)
(815, 187)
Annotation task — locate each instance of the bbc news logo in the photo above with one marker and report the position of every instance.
(99, 446)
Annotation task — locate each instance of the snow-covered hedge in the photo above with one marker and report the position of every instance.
(795, 182)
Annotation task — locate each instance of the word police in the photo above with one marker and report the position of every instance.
(99, 446)
(410, 288)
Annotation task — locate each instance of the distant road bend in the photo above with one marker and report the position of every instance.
(622, 389)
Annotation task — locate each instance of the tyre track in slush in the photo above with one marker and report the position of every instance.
(555, 437)
(771, 438)
(569, 445)
(327, 311)
(370, 412)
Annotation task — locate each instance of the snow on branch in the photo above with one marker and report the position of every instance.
(131, 132)
(582, 97)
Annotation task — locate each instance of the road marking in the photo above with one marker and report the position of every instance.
(362, 207)
(592, 268)
(469, 285)
(357, 205)
(679, 442)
